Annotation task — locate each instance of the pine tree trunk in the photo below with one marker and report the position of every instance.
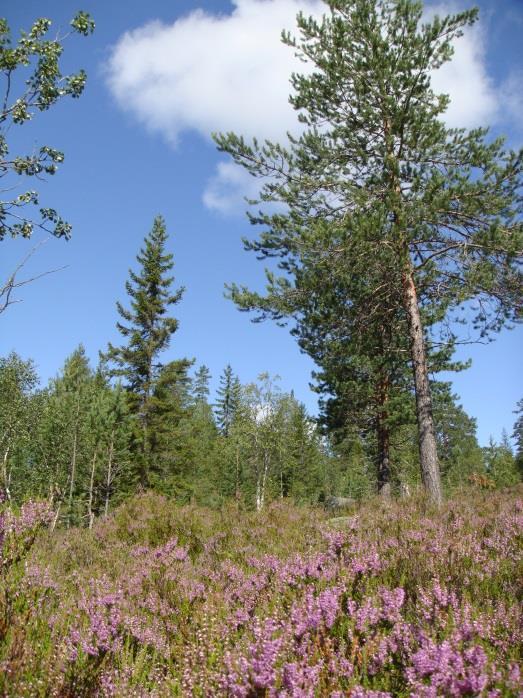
(430, 474)
(384, 485)
(383, 434)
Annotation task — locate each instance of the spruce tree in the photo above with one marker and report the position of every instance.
(518, 437)
(201, 381)
(171, 403)
(228, 399)
(147, 329)
(444, 204)
(500, 462)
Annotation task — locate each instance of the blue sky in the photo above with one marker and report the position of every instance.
(161, 76)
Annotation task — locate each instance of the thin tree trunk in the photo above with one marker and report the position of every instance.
(73, 459)
(237, 483)
(144, 468)
(383, 434)
(430, 474)
(258, 494)
(266, 465)
(5, 475)
(56, 516)
(91, 489)
(108, 481)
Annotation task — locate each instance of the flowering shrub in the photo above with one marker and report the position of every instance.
(161, 601)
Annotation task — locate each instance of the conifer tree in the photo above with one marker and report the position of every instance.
(201, 381)
(444, 204)
(302, 461)
(147, 329)
(500, 462)
(228, 399)
(171, 402)
(518, 437)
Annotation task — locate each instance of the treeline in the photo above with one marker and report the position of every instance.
(389, 231)
(96, 435)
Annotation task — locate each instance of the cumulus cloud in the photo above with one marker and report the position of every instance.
(474, 100)
(211, 72)
(230, 72)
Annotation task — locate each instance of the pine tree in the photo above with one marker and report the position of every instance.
(148, 331)
(377, 180)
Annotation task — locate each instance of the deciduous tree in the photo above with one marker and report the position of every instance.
(33, 82)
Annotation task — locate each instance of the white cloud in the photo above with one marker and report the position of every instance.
(211, 73)
(227, 188)
(230, 72)
(474, 100)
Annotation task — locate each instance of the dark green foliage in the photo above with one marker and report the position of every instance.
(460, 454)
(501, 466)
(229, 395)
(201, 381)
(518, 437)
(147, 330)
(388, 226)
(426, 219)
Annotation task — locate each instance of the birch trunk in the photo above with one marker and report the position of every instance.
(109, 479)
(5, 475)
(73, 457)
(91, 491)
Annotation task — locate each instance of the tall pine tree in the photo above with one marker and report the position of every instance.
(445, 203)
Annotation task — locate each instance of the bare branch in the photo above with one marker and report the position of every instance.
(13, 283)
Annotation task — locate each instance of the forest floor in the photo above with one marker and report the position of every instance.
(396, 599)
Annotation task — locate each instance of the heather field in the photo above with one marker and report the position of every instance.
(393, 599)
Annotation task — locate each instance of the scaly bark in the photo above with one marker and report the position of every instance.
(428, 453)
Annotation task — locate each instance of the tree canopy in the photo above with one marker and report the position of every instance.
(377, 185)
